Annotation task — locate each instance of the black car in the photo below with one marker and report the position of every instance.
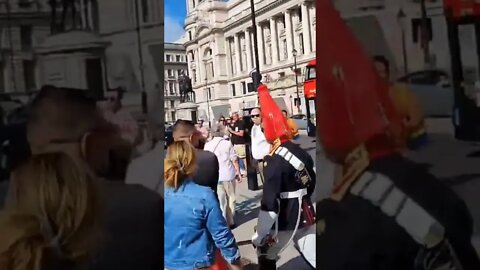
(168, 135)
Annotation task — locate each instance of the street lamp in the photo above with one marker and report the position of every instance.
(401, 20)
(294, 52)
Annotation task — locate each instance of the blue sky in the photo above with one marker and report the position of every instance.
(175, 12)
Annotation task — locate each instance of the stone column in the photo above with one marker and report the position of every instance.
(261, 46)
(306, 29)
(289, 34)
(199, 68)
(189, 64)
(248, 44)
(274, 40)
(228, 43)
(313, 25)
(83, 14)
(238, 54)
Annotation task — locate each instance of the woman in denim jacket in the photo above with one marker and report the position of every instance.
(194, 223)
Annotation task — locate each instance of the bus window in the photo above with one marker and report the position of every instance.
(311, 73)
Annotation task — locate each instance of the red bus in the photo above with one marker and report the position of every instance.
(310, 92)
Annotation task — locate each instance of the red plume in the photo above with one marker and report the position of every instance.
(275, 125)
(353, 104)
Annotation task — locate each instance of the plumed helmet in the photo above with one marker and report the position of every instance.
(275, 125)
(353, 105)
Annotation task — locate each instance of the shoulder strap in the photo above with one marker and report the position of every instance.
(379, 190)
(216, 146)
(290, 158)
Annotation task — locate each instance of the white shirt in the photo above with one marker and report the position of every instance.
(225, 155)
(147, 170)
(260, 146)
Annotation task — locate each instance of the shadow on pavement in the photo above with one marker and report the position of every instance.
(296, 263)
(247, 210)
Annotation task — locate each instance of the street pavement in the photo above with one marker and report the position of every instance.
(456, 163)
(248, 203)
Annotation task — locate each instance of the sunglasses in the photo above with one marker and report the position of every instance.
(255, 115)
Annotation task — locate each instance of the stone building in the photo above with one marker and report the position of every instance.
(101, 50)
(379, 25)
(24, 26)
(220, 53)
(175, 65)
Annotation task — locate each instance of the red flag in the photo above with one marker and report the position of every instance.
(353, 103)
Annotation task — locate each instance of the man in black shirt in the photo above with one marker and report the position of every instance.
(207, 162)
(238, 139)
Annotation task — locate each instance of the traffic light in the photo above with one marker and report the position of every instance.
(256, 79)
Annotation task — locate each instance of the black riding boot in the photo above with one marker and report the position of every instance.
(266, 264)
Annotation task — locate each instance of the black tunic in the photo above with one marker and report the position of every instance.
(358, 235)
(280, 177)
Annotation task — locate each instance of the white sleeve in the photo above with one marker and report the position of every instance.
(232, 153)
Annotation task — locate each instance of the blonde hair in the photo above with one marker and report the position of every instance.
(51, 215)
(179, 163)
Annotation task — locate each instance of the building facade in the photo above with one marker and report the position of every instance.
(110, 45)
(392, 28)
(220, 52)
(24, 25)
(175, 65)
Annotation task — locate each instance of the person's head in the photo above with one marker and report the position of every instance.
(228, 120)
(200, 123)
(115, 99)
(184, 130)
(51, 215)
(235, 116)
(285, 113)
(221, 119)
(218, 131)
(179, 163)
(256, 116)
(60, 114)
(382, 65)
(67, 120)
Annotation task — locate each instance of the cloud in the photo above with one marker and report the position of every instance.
(173, 29)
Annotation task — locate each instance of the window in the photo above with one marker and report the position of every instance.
(250, 87)
(193, 3)
(171, 86)
(172, 104)
(145, 11)
(173, 117)
(24, 3)
(29, 74)
(285, 49)
(179, 72)
(179, 58)
(244, 88)
(169, 72)
(190, 35)
(299, 15)
(209, 93)
(194, 75)
(169, 57)
(311, 73)
(232, 86)
(212, 71)
(281, 74)
(300, 41)
(26, 37)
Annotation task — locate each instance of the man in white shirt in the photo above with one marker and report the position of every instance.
(229, 172)
(260, 146)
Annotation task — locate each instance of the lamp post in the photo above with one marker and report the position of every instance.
(140, 58)
(291, 104)
(294, 52)
(425, 33)
(401, 20)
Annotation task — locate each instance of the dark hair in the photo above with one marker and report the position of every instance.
(383, 60)
(285, 111)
